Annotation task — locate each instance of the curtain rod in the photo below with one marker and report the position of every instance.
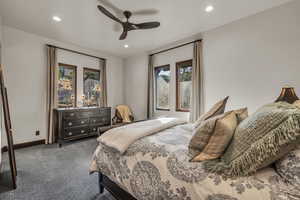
(181, 45)
(77, 52)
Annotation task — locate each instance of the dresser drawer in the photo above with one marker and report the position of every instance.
(94, 129)
(75, 114)
(94, 113)
(100, 120)
(100, 112)
(73, 123)
(104, 111)
(82, 114)
(69, 114)
(73, 132)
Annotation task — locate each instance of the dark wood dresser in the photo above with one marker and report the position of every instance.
(75, 123)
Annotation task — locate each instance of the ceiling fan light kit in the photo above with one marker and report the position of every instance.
(128, 26)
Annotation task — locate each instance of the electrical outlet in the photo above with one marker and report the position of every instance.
(37, 132)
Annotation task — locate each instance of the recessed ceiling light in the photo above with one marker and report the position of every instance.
(56, 18)
(209, 8)
(126, 46)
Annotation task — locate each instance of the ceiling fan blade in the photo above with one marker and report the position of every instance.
(124, 35)
(108, 4)
(108, 14)
(146, 12)
(147, 25)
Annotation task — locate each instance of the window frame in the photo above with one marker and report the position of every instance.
(155, 88)
(75, 87)
(181, 64)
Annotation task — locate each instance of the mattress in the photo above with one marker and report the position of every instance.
(157, 167)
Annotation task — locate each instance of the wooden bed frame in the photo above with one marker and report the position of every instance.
(113, 188)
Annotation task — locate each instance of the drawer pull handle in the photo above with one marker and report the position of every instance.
(82, 131)
(70, 133)
(72, 114)
(82, 122)
(70, 123)
(94, 129)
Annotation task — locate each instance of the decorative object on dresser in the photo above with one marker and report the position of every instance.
(76, 123)
(287, 94)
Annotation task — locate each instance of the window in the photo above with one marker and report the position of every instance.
(162, 85)
(91, 87)
(183, 85)
(66, 86)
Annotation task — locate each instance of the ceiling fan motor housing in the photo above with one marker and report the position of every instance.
(127, 14)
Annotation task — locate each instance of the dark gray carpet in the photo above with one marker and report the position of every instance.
(46, 172)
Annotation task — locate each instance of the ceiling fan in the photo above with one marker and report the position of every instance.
(128, 26)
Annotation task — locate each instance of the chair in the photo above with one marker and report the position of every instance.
(123, 114)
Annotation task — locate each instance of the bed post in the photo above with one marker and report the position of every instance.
(100, 182)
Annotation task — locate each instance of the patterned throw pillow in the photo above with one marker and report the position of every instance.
(205, 130)
(289, 167)
(262, 138)
(202, 134)
(220, 138)
(217, 109)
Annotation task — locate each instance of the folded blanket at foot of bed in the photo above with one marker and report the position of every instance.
(122, 137)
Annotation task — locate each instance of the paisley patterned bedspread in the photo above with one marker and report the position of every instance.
(157, 167)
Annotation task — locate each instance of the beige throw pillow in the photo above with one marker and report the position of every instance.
(220, 137)
(217, 109)
(202, 134)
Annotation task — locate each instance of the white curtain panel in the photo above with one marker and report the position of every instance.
(103, 99)
(197, 83)
(51, 91)
(150, 97)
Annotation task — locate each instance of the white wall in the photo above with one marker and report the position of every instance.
(1, 30)
(1, 127)
(249, 60)
(135, 82)
(25, 67)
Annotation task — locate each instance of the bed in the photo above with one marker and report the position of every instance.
(157, 167)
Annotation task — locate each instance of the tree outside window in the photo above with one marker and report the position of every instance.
(184, 85)
(162, 87)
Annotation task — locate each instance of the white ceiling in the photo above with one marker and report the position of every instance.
(82, 24)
